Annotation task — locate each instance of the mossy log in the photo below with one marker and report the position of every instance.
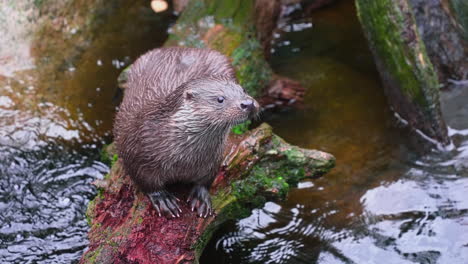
(408, 76)
(258, 165)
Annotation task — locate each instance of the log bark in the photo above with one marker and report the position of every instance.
(459, 10)
(409, 78)
(258, 165)
(441, 25)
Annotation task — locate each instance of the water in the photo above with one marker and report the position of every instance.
(384, 202)
(54, 118)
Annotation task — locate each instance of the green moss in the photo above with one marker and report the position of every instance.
(241, 128)
(295, 156)
(91, 258)
(99, 196)
(89, 211)
(222, 198)
(114, 159)
(100, 193)
(105, 158)
(226, 41)
(262, 181)
(252, 70)
(291, 173)
(389, 28)
(234, 12)
(108, 155)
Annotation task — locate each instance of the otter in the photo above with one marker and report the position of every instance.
(172, 124)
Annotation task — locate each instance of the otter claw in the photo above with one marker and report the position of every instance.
(200, 201)
(165, 203)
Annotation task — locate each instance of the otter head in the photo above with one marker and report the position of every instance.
(219, 101)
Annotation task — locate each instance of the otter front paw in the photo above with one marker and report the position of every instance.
(165, 203)
(200, 200)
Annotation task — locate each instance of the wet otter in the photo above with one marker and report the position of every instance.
(177, 111)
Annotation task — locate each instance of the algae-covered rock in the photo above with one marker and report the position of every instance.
(258, 166)
(408, 75)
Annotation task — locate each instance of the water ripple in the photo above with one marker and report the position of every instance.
(43, 197)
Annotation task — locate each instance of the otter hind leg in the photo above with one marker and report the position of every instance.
(200, 200)
(165, 203)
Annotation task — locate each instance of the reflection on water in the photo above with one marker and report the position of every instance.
(54, 117)
(383, 203)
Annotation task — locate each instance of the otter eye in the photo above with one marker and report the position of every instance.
(220, 99)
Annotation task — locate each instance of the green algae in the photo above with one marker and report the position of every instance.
(252, 70)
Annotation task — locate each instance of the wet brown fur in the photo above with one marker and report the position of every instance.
(164, 137)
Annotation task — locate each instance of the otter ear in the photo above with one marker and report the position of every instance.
(189, 94)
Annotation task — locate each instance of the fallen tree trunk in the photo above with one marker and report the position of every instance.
(408, 76)
(258, 165)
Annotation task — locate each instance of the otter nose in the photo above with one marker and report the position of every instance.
(247, 104)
